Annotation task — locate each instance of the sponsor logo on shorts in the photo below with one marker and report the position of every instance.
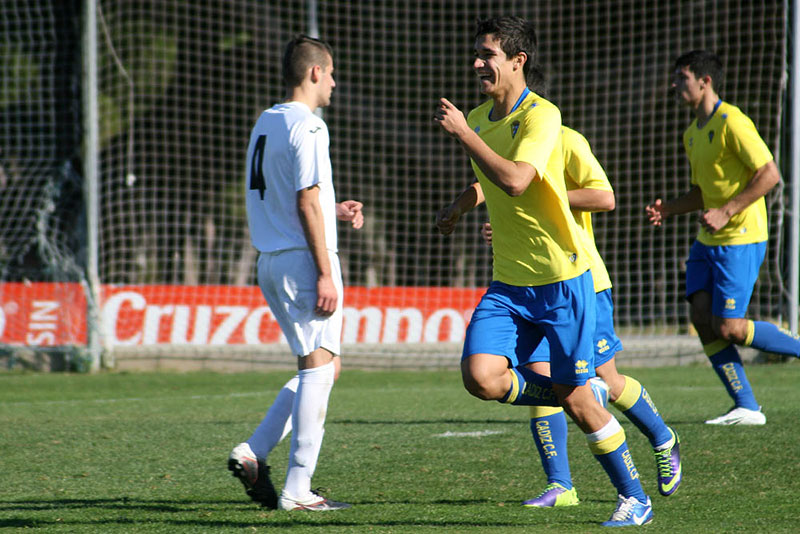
(602, 346)
(730, 304)
(581, 367)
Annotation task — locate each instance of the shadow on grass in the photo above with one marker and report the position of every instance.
(109, 514)
(189, 506)
(285, 524)
(122, 503)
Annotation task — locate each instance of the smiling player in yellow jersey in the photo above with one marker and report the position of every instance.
(538, 247)
(589, 190)
(732, 171)
(541, 286)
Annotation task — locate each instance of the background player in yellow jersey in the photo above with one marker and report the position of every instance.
(541, 283)
(589, 190)
(732, 170)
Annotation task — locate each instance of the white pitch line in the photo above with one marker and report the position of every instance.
(371, 391)
(260, 393)
(133, 399)
(476, 434)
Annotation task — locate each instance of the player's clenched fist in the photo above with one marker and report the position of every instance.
(450, 118)
(351, 211)
(486, 233)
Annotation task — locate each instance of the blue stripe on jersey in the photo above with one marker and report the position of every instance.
(521, 98)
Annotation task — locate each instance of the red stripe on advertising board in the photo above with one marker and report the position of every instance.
(55, 314)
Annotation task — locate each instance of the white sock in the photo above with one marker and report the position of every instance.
(277, 422)
(608, 430)
(669, 443)
(308, 421)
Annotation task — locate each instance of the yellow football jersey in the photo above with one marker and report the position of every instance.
(583, 171)
(724, 155)
(535, 238)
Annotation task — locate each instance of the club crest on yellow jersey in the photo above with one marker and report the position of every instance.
(514, 128)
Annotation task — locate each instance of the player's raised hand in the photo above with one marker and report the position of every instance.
(450, 118)
(486, 233)
(656, 213)
(446, 219)
(351, 211)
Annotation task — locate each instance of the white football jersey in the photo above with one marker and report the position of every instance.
(288, 151)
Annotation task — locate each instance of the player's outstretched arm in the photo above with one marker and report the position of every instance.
(591, 200)
(310, 213)
(659, 210)
(351, 211)
(447, 217)
(513, 177)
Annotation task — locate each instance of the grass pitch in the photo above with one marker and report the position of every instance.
(412, 451)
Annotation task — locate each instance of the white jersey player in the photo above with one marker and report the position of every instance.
(292, 213)
(288, 148)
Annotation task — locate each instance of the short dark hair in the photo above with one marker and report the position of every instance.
(703, 63)
(301, 53)
(516, 35)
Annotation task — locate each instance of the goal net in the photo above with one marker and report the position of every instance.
(180, 85)
(41, 220)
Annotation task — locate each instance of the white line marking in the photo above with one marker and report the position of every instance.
(133, 399)
(477, 434)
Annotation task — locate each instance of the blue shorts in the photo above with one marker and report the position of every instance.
(510, 321)
(607, 344)
(727, 273)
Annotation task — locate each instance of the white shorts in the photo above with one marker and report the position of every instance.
(288, 280)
